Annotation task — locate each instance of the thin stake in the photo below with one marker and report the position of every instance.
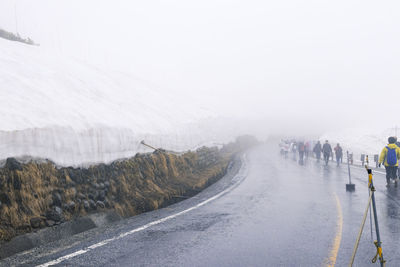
(143, 143)
(348, 166)
(369, 195)
(353, 255)
(378, 236)
(370, 219)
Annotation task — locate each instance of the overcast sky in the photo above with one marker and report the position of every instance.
(319, 64)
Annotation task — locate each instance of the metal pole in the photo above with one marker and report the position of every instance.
(349, 187)
(348, 166)
(369, 194)
(378, 236)
(143, 143)
(353, 256)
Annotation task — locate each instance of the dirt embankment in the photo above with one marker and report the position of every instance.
(37, 195)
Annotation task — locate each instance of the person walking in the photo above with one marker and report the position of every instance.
(339, 154)
(308, 149)
(302, 149)
(317, 150)
(286, 148)
(327, 151)
(390, 158)
(293, 149)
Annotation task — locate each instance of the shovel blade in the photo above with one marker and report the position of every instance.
(350, 187)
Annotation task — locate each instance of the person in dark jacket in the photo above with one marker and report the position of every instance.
(308, 149)
(317, 150)
(327, 151)
(339, 154)
(302, 148)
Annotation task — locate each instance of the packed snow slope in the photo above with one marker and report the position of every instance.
(73, 113)
(360, 140)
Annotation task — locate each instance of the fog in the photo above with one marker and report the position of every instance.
(295, 66)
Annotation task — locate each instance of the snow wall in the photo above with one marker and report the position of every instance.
(73, 113)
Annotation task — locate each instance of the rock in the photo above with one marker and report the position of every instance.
(96, 185)
(91, 196)
(50, 223)
(13, 165)
(106, 203)
(35, 222)
(75, 176)
(71, 206)
(86, 205)
(57, 200)
(100, 204)
(101, 186)
(80, 196)
(107, 184)
(55, 214)
(101, 196)
(74, 191)
(92, 204)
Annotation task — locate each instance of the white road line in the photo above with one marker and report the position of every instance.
(107, 241)
(361, 168)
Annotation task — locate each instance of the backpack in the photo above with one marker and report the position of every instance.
(391, 156)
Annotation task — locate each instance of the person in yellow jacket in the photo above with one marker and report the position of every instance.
(390, 156)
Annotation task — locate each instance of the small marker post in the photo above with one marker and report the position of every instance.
(349, 187)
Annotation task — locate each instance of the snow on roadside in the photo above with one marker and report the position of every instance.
(359, 141)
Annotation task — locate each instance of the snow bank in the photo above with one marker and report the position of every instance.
(73, 113)
(359, 141)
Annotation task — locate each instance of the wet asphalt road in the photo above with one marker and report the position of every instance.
(274, 212)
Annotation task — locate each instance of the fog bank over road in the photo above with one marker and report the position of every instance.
(303, 64)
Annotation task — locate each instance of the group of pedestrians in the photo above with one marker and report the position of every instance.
(303, 149)
(327, 152)
(389, 156)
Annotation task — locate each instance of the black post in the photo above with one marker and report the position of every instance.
(349, 187)
(348, 166)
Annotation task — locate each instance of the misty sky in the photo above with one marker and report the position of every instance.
(318, 64)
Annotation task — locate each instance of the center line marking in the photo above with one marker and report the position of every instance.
(331, 261)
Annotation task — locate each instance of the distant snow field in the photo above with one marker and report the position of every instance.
(73, 113)
(359, 140)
